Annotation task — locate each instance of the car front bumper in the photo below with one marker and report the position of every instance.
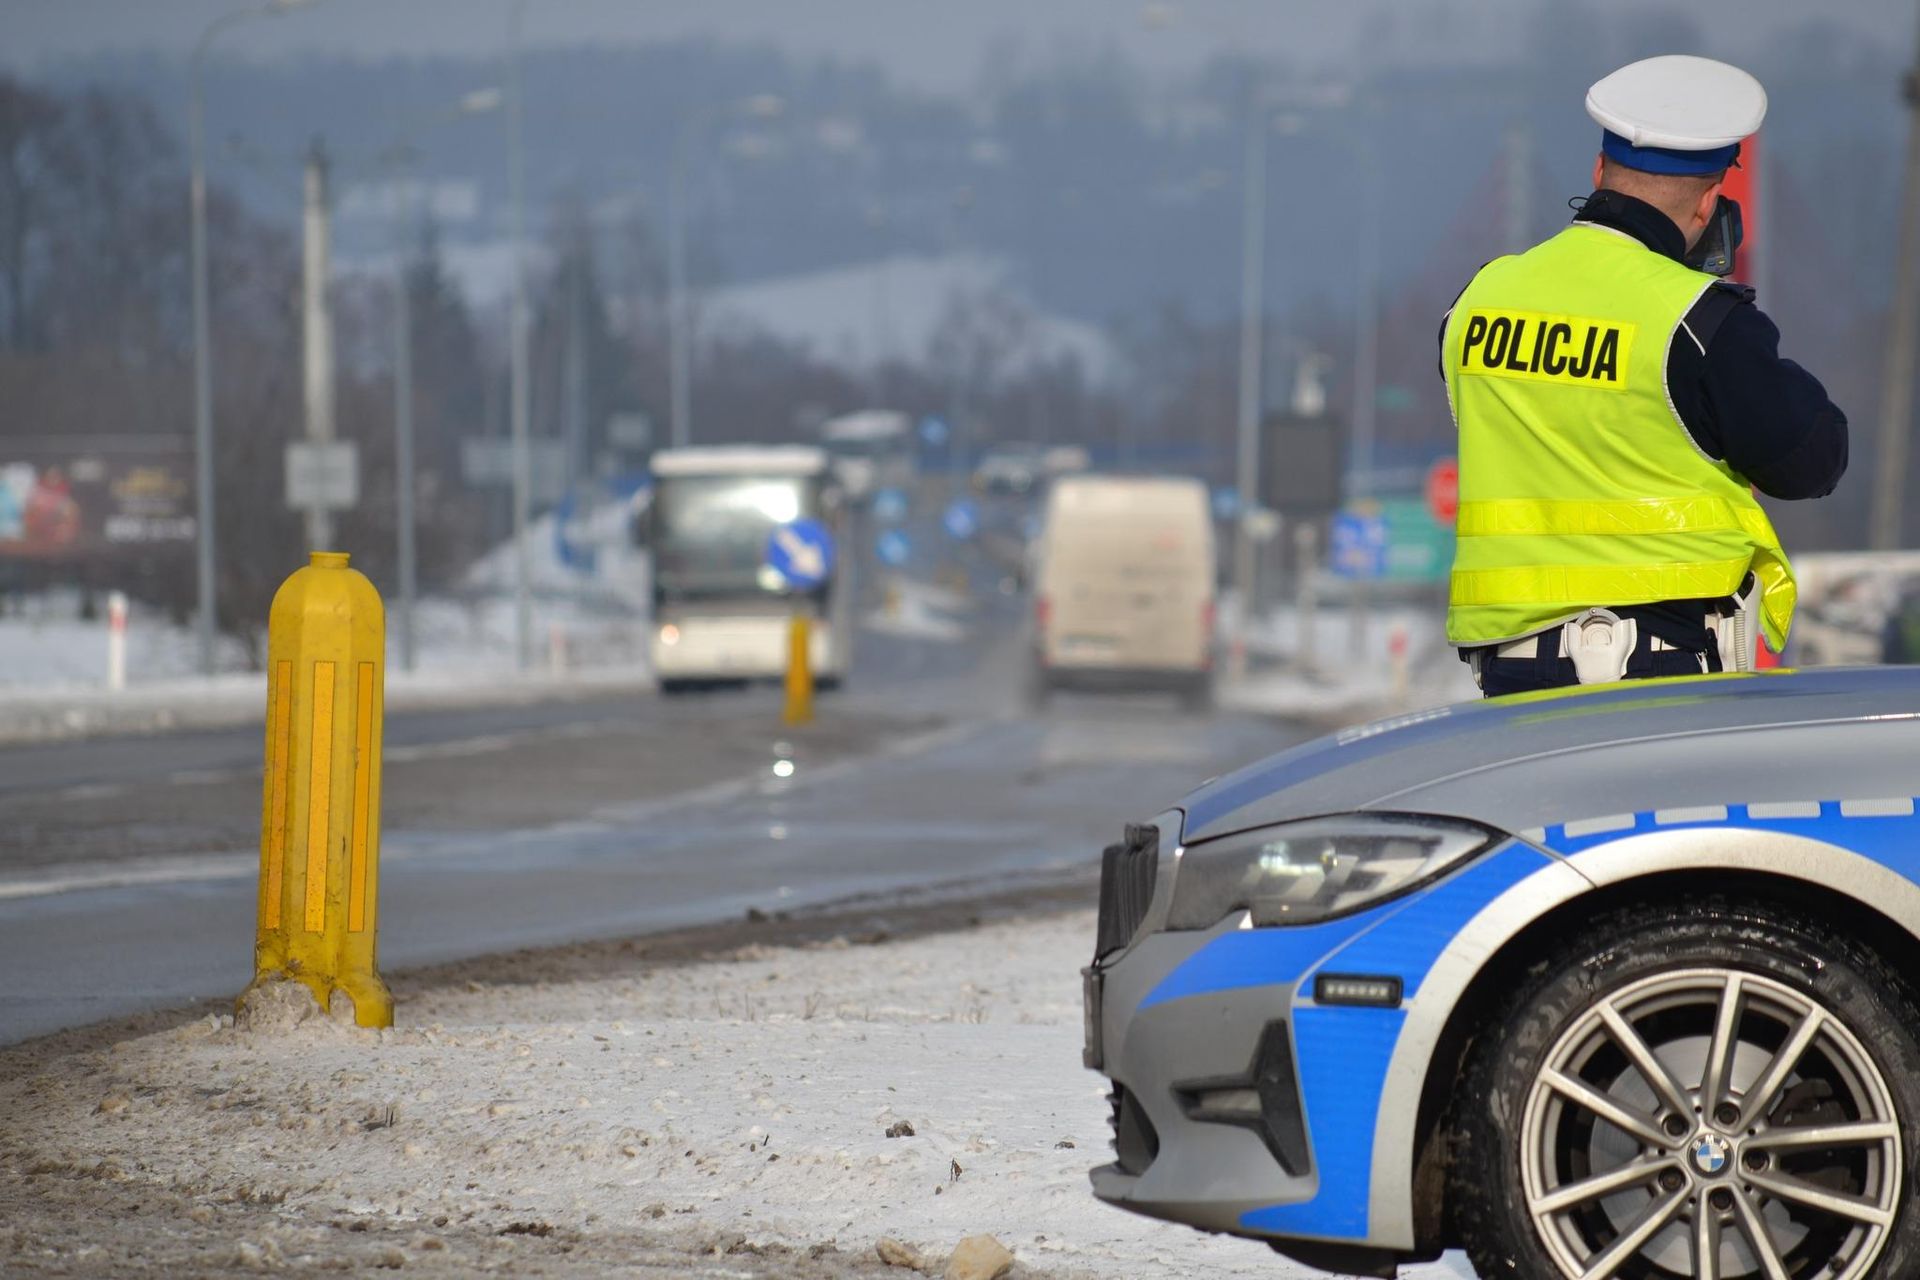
(1167, 1060)
(1241, 1103)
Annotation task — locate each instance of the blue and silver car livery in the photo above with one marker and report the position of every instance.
(1611, 982)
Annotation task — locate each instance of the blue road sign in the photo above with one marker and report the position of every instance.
(893, 548)
(1358, 545)
(962, 519)
(889, 506)
(801, 552)
(933, 431)
(1226, 502)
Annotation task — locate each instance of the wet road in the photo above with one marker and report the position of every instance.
(127, 871)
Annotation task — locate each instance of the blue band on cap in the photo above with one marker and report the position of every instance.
(1666, 159)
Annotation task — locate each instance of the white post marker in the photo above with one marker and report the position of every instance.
(116, 640)
(1397, 651)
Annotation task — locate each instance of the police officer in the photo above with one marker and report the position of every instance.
(1616, 404)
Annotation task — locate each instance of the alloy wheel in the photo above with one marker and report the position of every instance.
(1711, 1123)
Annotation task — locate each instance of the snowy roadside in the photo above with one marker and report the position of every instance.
(36, 715)
(656, 1114)
(1340, 670)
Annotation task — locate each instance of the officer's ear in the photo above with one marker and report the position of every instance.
(1599, 169)
(1709, 201)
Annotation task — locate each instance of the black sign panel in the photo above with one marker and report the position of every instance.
(1301, 465)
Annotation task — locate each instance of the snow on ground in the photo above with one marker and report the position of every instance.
(748, 1096)
(579, 619)
(1335, 668)
(920, 610)
(588, 630)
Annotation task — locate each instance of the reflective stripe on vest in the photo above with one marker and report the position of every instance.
(1579, 486)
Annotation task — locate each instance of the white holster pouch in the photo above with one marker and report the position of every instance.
(1600, 641)
(1738, 634)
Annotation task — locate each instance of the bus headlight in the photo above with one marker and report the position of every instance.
(1305, 872)
(669, 634)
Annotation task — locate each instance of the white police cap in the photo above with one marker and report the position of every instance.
(1677, 113)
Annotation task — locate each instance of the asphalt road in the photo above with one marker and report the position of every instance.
(127, 866)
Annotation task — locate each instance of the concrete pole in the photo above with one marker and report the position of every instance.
(1366, 329)
(317, 330)
(1253, 244)
(576, 357)
(202, 363)
(1896, 378)
(679, 321)
(522, 407)
(403, 418)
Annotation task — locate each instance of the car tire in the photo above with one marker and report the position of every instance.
(1529, 1186)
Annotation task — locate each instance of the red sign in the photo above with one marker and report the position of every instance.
(1744, 188)
(1443, 490)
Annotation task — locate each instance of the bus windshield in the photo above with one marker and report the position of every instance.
(710, 532)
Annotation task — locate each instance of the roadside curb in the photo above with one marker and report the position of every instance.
(228, 701)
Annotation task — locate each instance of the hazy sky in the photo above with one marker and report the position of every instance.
(941, 44)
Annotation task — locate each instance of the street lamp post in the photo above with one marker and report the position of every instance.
(202, 341)
(520, 357)
(1253, 245)
(765, 106)
(401, 154)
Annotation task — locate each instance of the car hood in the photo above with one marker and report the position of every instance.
(1532, 760)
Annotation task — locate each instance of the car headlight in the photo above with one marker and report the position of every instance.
(1304, 872)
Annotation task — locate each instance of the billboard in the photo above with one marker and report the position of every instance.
(73, 498)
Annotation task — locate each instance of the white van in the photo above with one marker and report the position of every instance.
(1124, 586)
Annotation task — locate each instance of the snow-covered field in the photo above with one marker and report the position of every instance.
(744, 1102)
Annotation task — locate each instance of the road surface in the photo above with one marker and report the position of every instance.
(128, 866)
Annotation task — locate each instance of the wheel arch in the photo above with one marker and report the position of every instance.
(1876, 904)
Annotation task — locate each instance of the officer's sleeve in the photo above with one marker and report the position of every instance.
(1765, 416)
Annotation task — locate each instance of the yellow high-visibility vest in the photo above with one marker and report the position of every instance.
(1579, 485)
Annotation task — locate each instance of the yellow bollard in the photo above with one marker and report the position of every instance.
(320, 805)
(799, 670)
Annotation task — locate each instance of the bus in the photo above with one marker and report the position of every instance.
(721, 614)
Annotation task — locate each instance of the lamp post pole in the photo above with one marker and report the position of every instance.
(202, 363)
(1253, 246)
(402, 155)
(1896, 379)
(679, 322)
(403, 417)
(202, 339)
(521, 392)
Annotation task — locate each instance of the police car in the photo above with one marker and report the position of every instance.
(1610, 982)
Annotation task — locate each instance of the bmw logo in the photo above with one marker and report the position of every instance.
(1710, 1153)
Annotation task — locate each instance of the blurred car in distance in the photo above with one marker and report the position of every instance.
(870, 450)
(1010, 470)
